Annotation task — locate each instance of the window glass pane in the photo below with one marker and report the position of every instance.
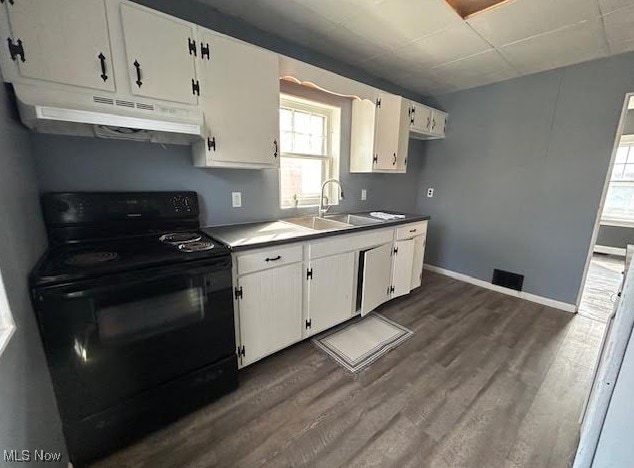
(619, 203)
(628, 173)
(317, 145)
(621, 155)
(301, 143)
(286, 120)
(287, 142)
(617, 172)
(317, 125)
(300, 177)
(302, 122)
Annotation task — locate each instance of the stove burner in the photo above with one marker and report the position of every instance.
(196, 246)
(91, 258)
(180, 237)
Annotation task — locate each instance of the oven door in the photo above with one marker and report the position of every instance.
(111, 339)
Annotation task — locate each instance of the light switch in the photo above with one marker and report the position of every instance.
(430, 192)
(236, 199)
(364, 194)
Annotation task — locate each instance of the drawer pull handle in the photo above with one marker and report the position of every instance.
(412, 230)
(273, 259)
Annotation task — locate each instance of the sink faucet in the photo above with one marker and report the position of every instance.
(322, 210)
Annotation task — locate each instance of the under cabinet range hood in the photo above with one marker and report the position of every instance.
(48, 110)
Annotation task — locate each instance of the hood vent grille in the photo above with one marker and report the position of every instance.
(129, 104)
(140, 105)
(103, 100)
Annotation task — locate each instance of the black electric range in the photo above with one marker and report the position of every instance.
(135, 311)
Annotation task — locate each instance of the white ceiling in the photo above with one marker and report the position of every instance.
(426, 47)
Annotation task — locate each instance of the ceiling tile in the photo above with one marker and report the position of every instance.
(346, 45)
(447, 45)
(607, 6)
(393, 23)
(339, 11)
(521, 19)
(619, 26)
(622, 47)
(573, 44)
(483, 68)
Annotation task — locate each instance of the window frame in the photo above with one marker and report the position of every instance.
(330, 160)
(7, 324)
(607, 220)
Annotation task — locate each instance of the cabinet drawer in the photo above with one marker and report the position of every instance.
(411, 230)
(268, 258)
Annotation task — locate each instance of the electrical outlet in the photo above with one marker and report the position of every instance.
(430, 192)
(236, 199)
(364, 194)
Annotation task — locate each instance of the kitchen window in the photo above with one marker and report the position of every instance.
(7, 326)
(309, 135)
(619, 202)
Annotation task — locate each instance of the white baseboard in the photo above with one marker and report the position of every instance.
(511, 292)
(605, 249)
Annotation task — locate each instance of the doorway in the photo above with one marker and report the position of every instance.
(614, 228)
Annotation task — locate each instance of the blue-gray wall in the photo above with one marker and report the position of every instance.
(28, 412)
(519, 177)
(615, 236)
(75, 163)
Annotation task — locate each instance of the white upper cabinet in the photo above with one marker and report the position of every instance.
(379, 138)
(426, 123)
(161, 55)
(240, 98)
(62, 41)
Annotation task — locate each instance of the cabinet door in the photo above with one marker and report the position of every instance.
(420, 118)
(270, 310)
(402, 267)
(240, 97)
(387, 131)
(418, 260)
(330, 291)
(438, 123)
(64, 41)
(376, 265)
(362, 136)
(403, 137)
(160, 64)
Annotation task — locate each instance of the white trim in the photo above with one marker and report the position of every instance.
(510, 292)
(608, 176)
(606, 249)
(617, 223)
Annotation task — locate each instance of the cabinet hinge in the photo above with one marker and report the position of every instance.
(309, 324)
(204, 51)
(395, 250)
(240, 352)
(192, 47)
(276, 149)
(16, 49)
(391, 289)
(211, 144)
(238, 292)
(378, 102)
(375, 159)
(195, 87)
(309, 273)
(12, 2)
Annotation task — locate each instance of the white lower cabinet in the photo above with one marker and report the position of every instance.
(287, 293)
(330, 288)
(269, 311)
(376, 265)
(418, 260)
(402, 265)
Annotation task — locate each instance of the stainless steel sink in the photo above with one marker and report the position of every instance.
(317, 224)
(354, 220)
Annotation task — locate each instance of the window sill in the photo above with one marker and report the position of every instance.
(5, 336)
(616, 223)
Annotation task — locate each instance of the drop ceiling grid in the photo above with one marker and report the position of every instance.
(425, 46)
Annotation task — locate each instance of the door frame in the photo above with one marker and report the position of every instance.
(597, 221)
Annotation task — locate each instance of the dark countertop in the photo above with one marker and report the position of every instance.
(246, 236)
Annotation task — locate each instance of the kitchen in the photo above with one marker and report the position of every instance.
(504, 225)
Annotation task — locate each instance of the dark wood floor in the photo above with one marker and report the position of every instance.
(487, 380)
